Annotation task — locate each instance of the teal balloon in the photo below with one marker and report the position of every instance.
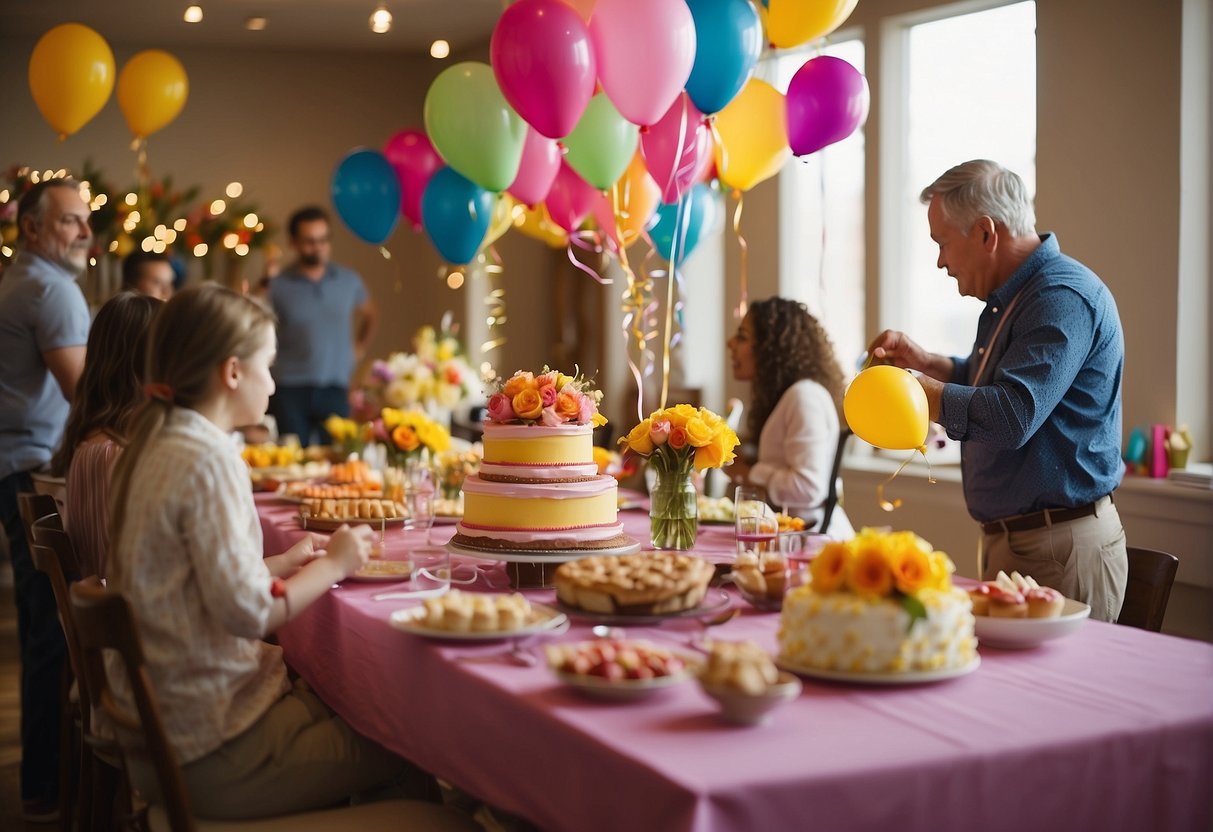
(678, 228)
(366, 194)
(728, 42)
(601, 146)
(472, 127)
(455, 213)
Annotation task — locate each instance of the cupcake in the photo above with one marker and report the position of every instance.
(1006, 603)
(1044, 602)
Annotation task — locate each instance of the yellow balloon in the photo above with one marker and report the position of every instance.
(71, 76)
(753, 132)
(538, 224)
(887, 407)
(503, 218)
(793, 22)
(152, 89)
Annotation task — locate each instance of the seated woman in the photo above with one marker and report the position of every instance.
(187, 552)
(797, 387)
(108, 393)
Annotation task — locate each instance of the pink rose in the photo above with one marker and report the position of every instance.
(501, 409)
(548, 417)
(585, 412)
(547, 394)
(659, 431)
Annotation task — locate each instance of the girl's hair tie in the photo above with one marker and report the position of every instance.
(159, 391)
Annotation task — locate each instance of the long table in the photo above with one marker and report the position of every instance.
(1110, 728)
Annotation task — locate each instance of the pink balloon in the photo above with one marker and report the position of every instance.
(544, 63)
(604, 215)
(675, 148)
(571, 198)
(645, 50)
(537, 171)
(414, 159)
(827, 100)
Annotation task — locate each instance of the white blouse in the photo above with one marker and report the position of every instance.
(192, 566)
(796, 453)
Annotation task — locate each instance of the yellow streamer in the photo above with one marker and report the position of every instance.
(495, 317)
(634, 300)
(743, 285)
(885, 504)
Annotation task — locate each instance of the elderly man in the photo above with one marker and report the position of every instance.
(1037, 402)
(325, 321)
(44, 324)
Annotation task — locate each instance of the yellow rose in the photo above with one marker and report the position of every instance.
(710, 418)
(602, 458)
(911, 569)
(599, 420)
(698, 432)
(391, 418)
(829, 568)
(638, 439)
(868, 573)
(339, 429)
(941, 571)
(680, 414)
(518, 382)
(562, 380)
(527, 403)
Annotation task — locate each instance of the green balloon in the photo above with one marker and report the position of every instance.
(602, 144)
(472, 127)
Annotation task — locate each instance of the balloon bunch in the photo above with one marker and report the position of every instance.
(71, 76)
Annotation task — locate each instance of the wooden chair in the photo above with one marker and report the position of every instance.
(33, 506)
(105, 622)
(1151, 574)
(831, 500)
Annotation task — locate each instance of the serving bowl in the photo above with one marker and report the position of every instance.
(741, 708)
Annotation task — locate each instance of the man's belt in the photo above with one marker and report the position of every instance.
(1039, 519)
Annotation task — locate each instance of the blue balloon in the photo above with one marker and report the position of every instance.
(728, 41)
(684, 223)
(455, 213)
(366, 194)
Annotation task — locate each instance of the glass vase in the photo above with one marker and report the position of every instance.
(673, 510)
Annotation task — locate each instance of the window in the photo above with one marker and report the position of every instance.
(969, 93)
(821, 234)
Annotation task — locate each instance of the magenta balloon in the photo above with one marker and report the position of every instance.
(827, 100)
(537, 171)
(645, 51)
(571, 198)
(544, 63)
(414, 159)
(604, 215)
(674, 148)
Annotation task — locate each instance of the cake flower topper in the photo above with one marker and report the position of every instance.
(876, 564)
(550, 398)
(678, 437)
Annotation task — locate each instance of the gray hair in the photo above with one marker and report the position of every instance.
(983, 188)
(33, 201)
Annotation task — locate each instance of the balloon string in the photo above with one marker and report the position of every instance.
(139, 145)
(676, 248)
(587, 241)
(722, 163)
(743, 301)
(632, 307)
(896, 503)
(495, 317)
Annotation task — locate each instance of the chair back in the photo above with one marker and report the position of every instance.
(831, 500)
(47, 560)
(33, 507)
(105, 621)
(1151, 574)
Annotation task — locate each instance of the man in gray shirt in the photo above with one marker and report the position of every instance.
(325, 321)
(44, 323)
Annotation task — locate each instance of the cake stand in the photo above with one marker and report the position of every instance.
(535, 569)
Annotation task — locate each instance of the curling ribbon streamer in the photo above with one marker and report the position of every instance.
(495, 316)
(677, 251)
(586, 241)
(743, 283)
(634, 300)
(896, 503)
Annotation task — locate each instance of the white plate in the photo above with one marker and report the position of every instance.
(1018, 633)
(538, 556)
(911, 678)
(714, 601)
(544, 618)
(383, 578)
(626, 690)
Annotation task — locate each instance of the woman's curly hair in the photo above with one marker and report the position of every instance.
(789, 345)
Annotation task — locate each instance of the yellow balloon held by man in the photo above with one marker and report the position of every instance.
(152, 89)
(887, 407)
(71, 76)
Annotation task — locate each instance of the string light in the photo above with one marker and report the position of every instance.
(256, 24)
(201, 249)
(193, 14)
(233, 190)
(218, 207)
(454, 280)
(180, 224)
(440, 49)
(250, 220)
(132, 199)
(381, 20)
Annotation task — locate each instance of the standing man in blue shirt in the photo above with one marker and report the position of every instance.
(1037, 402)
(44, 325)
(325, 321)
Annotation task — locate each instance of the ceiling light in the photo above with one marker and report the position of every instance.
(381, 20)
(255, 24)
(440, 49)
(193, 14)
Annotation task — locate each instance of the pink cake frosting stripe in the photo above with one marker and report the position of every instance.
(522, 537)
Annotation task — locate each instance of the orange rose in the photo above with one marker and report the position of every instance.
(518, 382)
(568, 406)
(868, 572)
(527, 403)
(405, 438)
(678, 437)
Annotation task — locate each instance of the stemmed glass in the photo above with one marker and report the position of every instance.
(755, 521)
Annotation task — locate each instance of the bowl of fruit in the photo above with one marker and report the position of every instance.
(743, 679)
(619, 669)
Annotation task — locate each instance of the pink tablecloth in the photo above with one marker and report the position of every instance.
(1111, 728)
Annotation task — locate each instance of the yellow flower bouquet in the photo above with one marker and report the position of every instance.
(676, 441)
(348, 435)
(876, 564)
(407, 433)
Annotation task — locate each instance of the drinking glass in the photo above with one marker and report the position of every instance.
(755, 522)
(422, 508)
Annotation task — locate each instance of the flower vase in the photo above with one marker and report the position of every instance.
(673, 510)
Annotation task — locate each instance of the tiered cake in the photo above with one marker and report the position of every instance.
(880, 603)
